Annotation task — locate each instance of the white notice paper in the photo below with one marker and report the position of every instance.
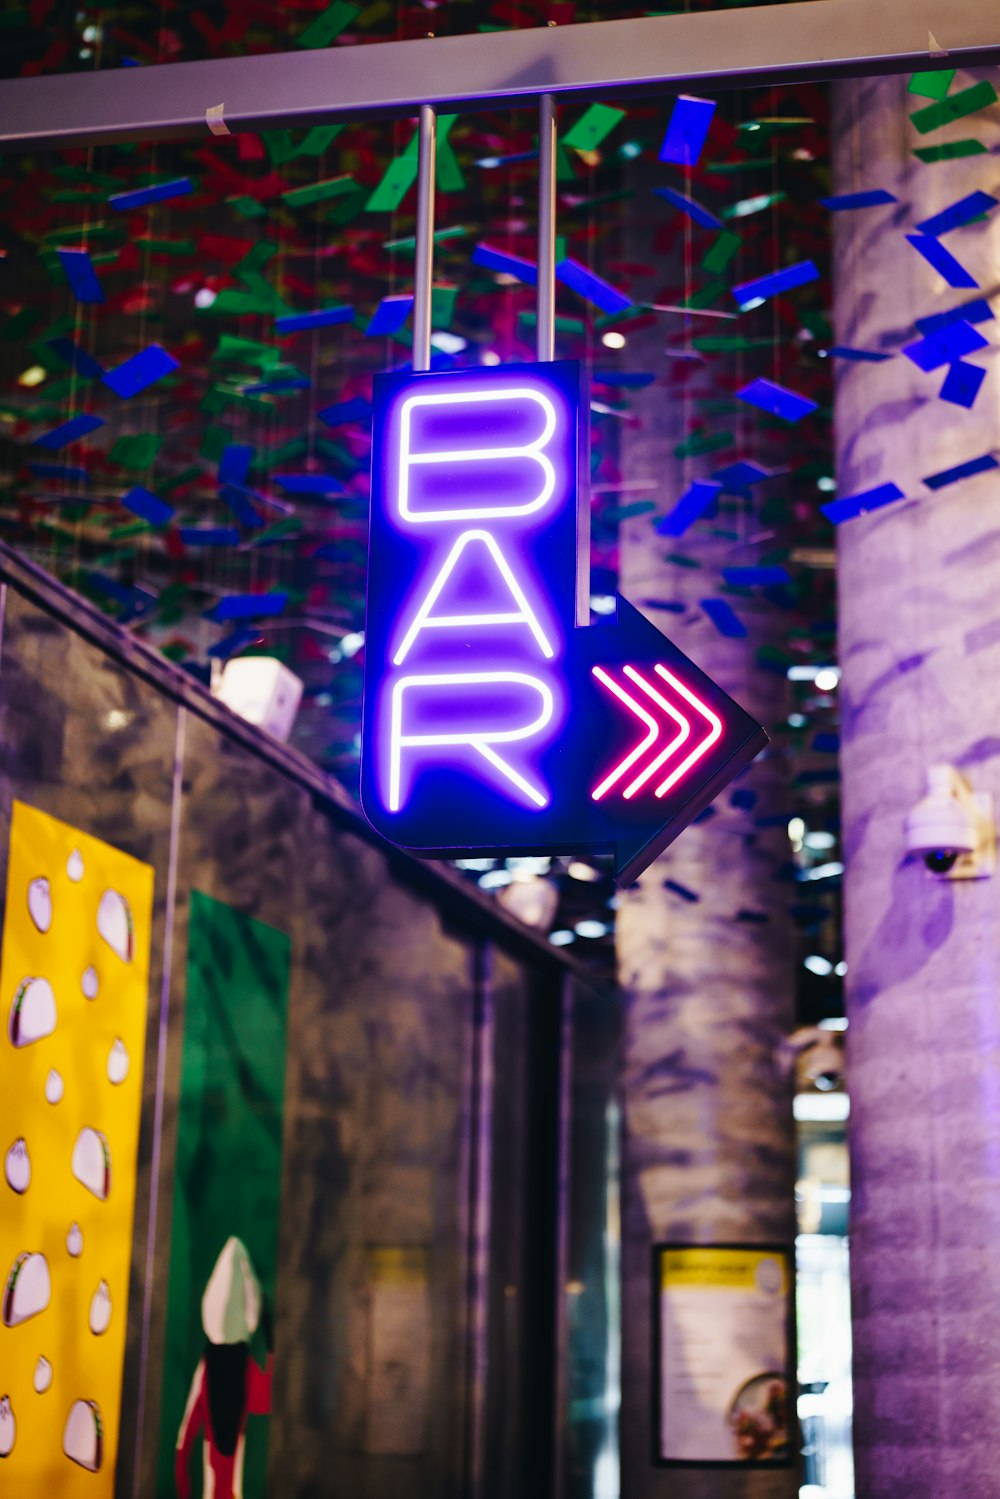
(723, 1376)
(399, 1351)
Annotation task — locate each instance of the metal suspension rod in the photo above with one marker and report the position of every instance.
(546, 306)
(423, 274)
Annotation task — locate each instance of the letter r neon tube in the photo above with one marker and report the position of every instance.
(480, 740)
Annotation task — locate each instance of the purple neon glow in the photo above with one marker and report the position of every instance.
(477, 619)
(480, 738)
(523, 615)
(447, 473)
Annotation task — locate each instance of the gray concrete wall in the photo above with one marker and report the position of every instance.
(919, 623)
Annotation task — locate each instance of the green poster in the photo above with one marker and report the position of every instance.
(227, 1195)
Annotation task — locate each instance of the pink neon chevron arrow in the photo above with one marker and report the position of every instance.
(708, 733)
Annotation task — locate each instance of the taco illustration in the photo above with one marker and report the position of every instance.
(40, 903)
(118, 1061)
(74, 1241)
(8, 1427)
(32, 1012)
(114, 924)
(42, 1377)
(54, 1086)
(91, 1164)
(17, 1166)
(100, 1310)
(83, 1438)
(28, 1290)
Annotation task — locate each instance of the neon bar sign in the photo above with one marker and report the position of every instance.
(496, 718)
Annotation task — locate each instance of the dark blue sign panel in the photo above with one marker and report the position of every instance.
(496, 718)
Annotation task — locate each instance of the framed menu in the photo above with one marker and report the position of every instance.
(723, 1357)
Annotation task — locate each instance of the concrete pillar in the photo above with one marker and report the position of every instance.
(705, 964)
(919, 619)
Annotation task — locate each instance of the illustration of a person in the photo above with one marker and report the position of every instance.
(228, 1385)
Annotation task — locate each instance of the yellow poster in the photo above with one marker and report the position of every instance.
(74, 977)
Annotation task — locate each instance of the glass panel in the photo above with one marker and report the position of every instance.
(315, 1109)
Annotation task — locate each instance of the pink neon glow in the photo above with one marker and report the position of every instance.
(713, 737)
(653, 730)
(652, 734)
(683, 733)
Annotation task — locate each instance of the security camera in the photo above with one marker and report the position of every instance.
(951, 828)
(815, 1055)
